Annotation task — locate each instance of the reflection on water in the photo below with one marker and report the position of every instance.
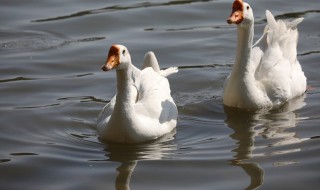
(124, 176)
(52, 90)
(243, 124)
(273, 125)
(128, 155)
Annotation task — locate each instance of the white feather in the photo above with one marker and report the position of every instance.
(268, 74)
(142, 109)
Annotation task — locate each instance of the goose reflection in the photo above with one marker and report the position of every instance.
(124, 177)
(128, 155)
(271, 125)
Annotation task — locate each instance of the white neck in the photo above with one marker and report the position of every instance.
(126, 90)
(241, 89)
(123, 115)
(242, 65)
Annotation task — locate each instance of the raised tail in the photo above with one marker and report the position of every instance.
(169, 71)
(150, 60)
(285, 34)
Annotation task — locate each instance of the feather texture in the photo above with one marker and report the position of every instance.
(268, 73)
(142, 109)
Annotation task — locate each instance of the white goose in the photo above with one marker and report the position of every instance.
(143, 108)
(267, 74)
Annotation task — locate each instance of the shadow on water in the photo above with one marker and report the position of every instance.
(272, 125)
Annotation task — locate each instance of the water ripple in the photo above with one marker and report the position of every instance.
(296, 14)
(309, 53)
(189, 28)
(4, 160)
(118, 8)
(23, 154)
(16, 41)
(11, 40)
(15, 79)
(37, 106)
(84, 99)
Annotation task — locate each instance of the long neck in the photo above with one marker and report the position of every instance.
(124, 108)
(245, 37)
(125, 81)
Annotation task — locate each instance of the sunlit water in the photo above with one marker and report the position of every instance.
(52, 90)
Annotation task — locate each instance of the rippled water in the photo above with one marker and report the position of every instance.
(52, 90)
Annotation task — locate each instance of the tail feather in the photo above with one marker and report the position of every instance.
(284, 34)
(150, 60)
(293, 24)
(272, 23)
(169, 71)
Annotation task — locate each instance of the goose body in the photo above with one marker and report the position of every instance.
(143, 108)
(268, 73)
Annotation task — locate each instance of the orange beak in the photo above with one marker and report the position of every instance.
(112, 60)
(236, 16)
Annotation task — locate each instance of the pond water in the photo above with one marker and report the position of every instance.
(52, 90)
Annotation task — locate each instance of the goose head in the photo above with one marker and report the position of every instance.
(241, 14)
(118, 57)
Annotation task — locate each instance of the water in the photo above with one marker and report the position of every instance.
(52, 90)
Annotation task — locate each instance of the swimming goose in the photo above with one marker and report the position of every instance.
(267, 74)
(142, 109)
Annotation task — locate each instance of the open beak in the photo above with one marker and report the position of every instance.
(112, 60)
(236, 16)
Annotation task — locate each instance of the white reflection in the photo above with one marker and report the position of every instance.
(124, 177)
(273, 129)
(129, 156)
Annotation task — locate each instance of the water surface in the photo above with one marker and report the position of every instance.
(52, 90)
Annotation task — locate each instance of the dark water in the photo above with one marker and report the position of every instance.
(52, 90)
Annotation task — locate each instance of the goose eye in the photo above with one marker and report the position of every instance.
(123, 52)
(248, 7)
